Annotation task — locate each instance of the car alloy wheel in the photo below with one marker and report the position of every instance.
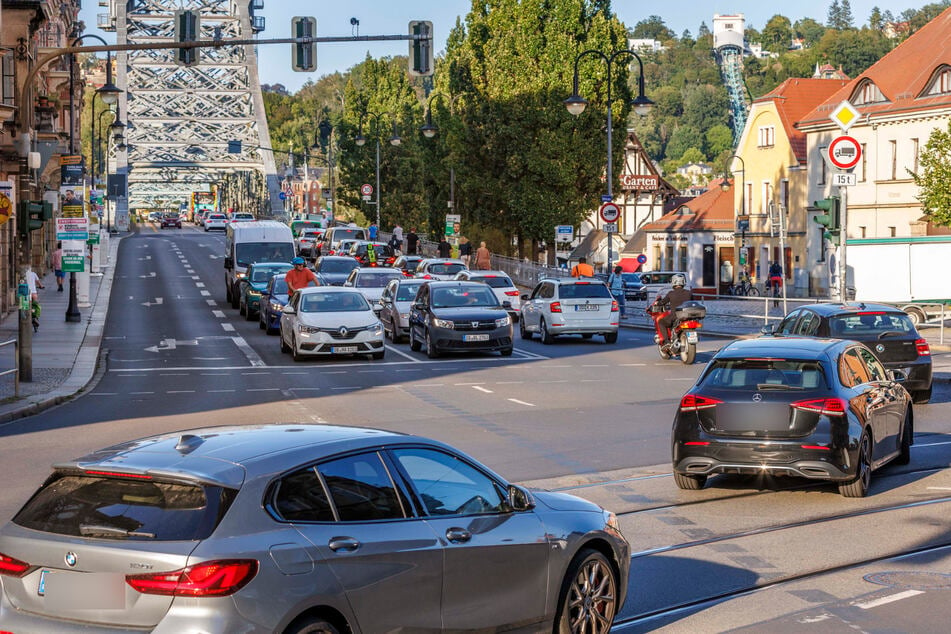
(543, 329)
(414, 343)
(431, 350)
(524, 332)
(588, 602)
(858, 488)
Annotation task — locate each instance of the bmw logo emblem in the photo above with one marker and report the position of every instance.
(879, 348)
(70, 559)
(757, 397)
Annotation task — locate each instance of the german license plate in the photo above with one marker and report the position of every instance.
(475, 337)
(692, 337)
(74, 591)
(587, 307)
(344, 349)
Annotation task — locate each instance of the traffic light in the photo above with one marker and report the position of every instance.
(32, 214)
(421, 50)
(187, 28)
(304, 54)
(832, 219)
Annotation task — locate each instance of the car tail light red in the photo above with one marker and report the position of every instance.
(695, 402)
(614, 306)
(218, 578)
(697, 443)
(816, 447)
(924, 350)
(555, 307)
(427, 277)
(512, 293)
(691, 323)
(13, 567)
(827, 406)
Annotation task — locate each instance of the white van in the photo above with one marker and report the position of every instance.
(330, 245)
(249, 242)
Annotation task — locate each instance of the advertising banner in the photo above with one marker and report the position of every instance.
(71, 201)
(74, 256)
(72, 229)
(7, 198)
(71, 168)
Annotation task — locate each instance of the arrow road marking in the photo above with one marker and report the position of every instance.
(171, 344)
(148, 257)
(158, 302)
(151, 274)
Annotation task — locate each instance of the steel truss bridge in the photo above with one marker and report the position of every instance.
(180, 118)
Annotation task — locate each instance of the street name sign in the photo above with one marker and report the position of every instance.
(564, 233)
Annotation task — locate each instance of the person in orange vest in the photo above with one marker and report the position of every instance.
(582, 268)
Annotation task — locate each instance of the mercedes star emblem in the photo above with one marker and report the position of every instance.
(757, 397)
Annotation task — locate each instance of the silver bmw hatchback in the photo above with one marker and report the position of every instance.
(303, 528)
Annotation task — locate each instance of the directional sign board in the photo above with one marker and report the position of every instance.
(610, 212)
(564, 233)
(844, 152)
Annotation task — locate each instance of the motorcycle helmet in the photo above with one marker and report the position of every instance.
(678, 280)
(297, 260)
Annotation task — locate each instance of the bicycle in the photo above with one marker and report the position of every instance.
(744, 289)
(776, 285)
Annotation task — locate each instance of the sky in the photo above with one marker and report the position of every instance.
(391, 17)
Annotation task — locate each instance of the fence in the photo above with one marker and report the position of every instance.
(16, 365)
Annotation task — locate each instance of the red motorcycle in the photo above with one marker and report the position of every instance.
(684, 336)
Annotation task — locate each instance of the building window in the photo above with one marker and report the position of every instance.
(767, 136)
(748, 202)
(682, 263)
(658, 258)
(765, 198)
(914, 156)
(784, 194)
(891, 232)
(822, 168)
(894, 153)
(669, 258)
(868, 93)
(8, 85)
(861, 232)
(941, 84)
(861, 176)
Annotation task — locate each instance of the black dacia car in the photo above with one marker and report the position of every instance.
(886, 330)
(457, 316)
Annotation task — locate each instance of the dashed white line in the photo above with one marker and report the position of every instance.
(199, 285)
(227, 327)
(263, 389)
(868, 605)
(480, 388)
(632, 365)
(205, 294)
(430, 384)
(195, 277)
(220, 314)
(219, 391)
(211, 302)
(105, 394)
(180, 392)
(293, 373)
(595, 366)
(509, 382)
(133, 393)
(175, 374)
(253, 373)
(515, 400)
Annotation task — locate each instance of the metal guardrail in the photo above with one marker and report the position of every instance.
(16, 369)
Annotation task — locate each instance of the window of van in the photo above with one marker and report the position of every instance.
(348, 234)
(246, 253)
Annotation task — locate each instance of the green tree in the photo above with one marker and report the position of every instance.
(652, 28)
(933, 177)
(718, 138)
(875, 19)
(809, 30)
(777, 34)
(683, 138)
(834, 15)
(846, 19)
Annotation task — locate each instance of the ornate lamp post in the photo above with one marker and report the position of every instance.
(429, 130)
(361, 140)
(742, 219)
(576, 105)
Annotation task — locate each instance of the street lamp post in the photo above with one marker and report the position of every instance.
(326, 136)
(360, 140)
(641, 104)
(429, 130)
(742, 220)
(116, 128)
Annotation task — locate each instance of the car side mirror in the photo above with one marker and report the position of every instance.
(525, 297)
(898, 376)
(289, 310)
(769, 329)
(506, 304)
(520, 499)
(229, 262)
(377, 308)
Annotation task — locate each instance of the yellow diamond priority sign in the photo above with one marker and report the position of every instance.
(845, 115)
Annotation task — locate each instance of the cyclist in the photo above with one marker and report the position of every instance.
(668, 303)
(775, 277)
(299, 277)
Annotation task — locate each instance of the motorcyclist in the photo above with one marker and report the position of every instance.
(667, 304)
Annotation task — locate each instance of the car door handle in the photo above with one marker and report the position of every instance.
(343, 544)
(458, 535)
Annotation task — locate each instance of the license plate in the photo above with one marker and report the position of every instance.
(74, 591)
(692, 337)
(344, 349)
(475, 337)
(587, 307)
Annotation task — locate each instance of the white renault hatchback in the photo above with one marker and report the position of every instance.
(330, 321)
(568, 306)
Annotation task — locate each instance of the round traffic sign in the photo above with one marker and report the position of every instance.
(610, 212)
(642, 259)
(366, 189)
(845, 152)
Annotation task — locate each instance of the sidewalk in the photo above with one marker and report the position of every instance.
(65, 354)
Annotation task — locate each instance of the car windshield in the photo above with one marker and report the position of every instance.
(247, 253)
(446, 269)
(495, 281)
(584, 291)
(279, 287)
(407, 292)
(631, 278)
(463, 296)
(410, 265)
(299, 227)
(382, 250)
(348, 234)
(656, 278)
(264, 273)
(125, 508)
(870, 324)
(375, 280)
(341, 302)
(337, 266)
(763, 374)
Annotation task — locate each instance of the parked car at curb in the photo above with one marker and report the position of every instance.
(298, 528)
(823, 409)
(455, 316)
(330, 321)
(569, 306)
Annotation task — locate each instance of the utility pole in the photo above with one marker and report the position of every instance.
(843, 237)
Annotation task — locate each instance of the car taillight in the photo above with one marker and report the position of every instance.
(827, 406)
(555, 307)
(924, 350)
(695, 402)
(614, 307)
(427, 277)
(208, 579)
(691, 323)
(512, 293)
(13, 567)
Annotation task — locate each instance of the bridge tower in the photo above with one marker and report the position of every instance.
(181, 118)
(728, 43)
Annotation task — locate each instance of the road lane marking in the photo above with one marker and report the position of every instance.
(220, 314)
(263, 389)
(595, 366)
(253, 357)
(403, 354)
(227, 327)
(133, 393)
(196, 277)
(868, 605)
(180, 392)
(481, 389)
(211, 302)
(219, 391)
(515, 400)
(509, 382)
(205, 294)
(632, 365)
(199, 285)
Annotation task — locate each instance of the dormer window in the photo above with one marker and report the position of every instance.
(866, 93)
(940, 83)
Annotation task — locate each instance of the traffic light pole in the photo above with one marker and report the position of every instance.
(25, 317)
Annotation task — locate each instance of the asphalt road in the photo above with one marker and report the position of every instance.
(581, 415)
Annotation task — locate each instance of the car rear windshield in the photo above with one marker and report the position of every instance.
(337, 266)
(585, 291)
(764, 374)
(407, 292)
(872, 324)
(376, 280)
(247, 253)
(446, 269)
(496, 281)
(279, 287)
(333, 303)
(348, 234)
(382, 250)
(124, 508)
(657, 278)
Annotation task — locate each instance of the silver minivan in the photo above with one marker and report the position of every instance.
(569, 306)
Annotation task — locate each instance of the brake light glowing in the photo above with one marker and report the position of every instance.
(696, 443)
(816, 447)
(695, 403)
(208, 579)
(827, 406)
(614, 307)
(13, 567)
(872, 312)
(555, 307)
(117, 474)
(691, 324)
(924, 350)
(512, 293)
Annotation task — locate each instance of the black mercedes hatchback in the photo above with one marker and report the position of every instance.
(822, 409)
(886, 330)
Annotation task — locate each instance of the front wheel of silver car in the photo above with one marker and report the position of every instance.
(588, 600)
(858, 488)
